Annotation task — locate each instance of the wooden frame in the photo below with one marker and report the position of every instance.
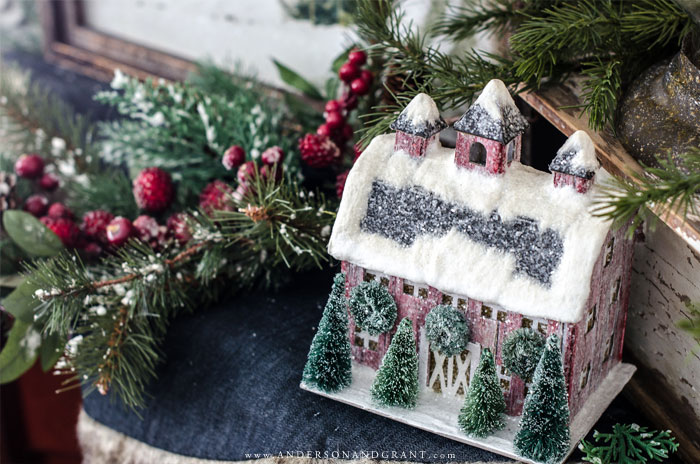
(71, 43)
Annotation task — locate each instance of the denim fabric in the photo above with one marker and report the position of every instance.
(230, 386)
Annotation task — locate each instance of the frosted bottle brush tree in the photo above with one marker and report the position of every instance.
(396, 383)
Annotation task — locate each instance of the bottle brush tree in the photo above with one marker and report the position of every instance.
(396, 383)
(484, 405)
(328, 366)
(544, 427)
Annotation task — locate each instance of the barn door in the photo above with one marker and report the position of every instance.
(450, 375)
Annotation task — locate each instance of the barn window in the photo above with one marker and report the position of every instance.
(369, 277)
(477, 154)
(511, 151)
(609, 251)
(423, 292)
(501, 316)
(384, 281)
(505, 384)
(584, 376)
(590, 318)
(526, 323)
(373, 345)
(615, 291)
(408, 289)
(486, 311)
(462, 304)
(608, 349)
(359, 341)
(542, 328)
(446, 299)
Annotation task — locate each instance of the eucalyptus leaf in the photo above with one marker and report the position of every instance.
(30, 234)
(297, 81)
(21, 302)
(51, 350)
(19, 354)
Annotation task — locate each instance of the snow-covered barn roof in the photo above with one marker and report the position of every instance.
(512, 240)
(576, 157)
(421, 117)
(493, 115)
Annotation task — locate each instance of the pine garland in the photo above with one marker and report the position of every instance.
(629, 444)
(673, 186)
(119, 309)
(607, 42)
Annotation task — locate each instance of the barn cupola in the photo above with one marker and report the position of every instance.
(490, 132)
(417, 126)
(575, 163)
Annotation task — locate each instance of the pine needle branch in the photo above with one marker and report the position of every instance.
(116, 312)
(494, 16)
(671, 187)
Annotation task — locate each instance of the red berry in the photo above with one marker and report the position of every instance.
(273, 155)
(335, 120)
(178, 228)
(95, 224)
(340, 183)
(357, 57)
(58, 210)
(36, 205)
(350, 101)
(359, 86)
(333, 105)
(367, 76)
(92, 250)
(233, 157)
(153, 190)
(29, 166)
(242, 191)
(323, 129)
(119, 230)
(271, 171)
(66, 230)
(347, 132)
(348, 72)
(318, 151)
(146, 228)
(48, 182)
(247, 172)
(216, 196)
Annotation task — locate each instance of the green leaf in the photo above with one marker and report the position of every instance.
(332, 85)
(21, 302)
(51, 350)
(341, 59)
(30, 234)
(18, 356)
(295, 80)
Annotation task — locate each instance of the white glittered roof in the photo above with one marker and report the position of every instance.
(466, 258)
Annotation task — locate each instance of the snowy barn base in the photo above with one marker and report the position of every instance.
(438, 414)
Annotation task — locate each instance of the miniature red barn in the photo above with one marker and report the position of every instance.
(506, 244)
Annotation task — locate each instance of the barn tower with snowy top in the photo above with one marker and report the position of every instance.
(505, 245)
(490, 132)
(417, 126)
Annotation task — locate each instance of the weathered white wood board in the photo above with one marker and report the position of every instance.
(665, 275)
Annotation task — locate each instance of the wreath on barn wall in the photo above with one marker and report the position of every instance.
(521, 352)
(373, 308)
(447, 330)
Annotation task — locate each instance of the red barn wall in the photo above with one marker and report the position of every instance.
(495, 153)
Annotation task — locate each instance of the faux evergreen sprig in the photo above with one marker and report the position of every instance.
(115, 314)
(673, 186)
(607, 42)
(628, 444)
(185, 128)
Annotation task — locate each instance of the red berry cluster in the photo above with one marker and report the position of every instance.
(317, 150)
(216, 194)
(153, 191)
